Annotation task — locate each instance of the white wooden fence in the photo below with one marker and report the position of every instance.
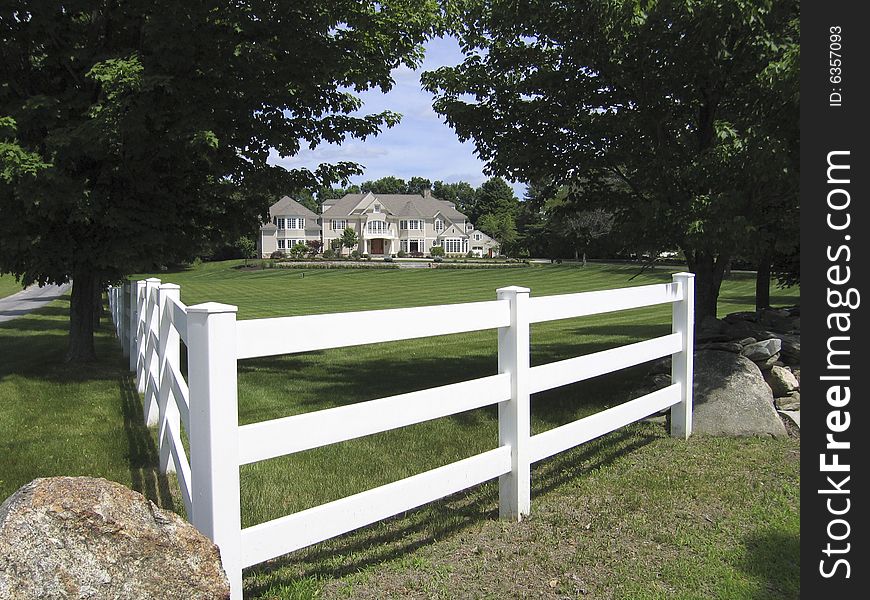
(150, 321)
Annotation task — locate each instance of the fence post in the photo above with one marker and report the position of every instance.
(682, 363)
(147, 357)
(168, 356)
(214, 432)
(123, 319)
(134, 324)
(514, 417)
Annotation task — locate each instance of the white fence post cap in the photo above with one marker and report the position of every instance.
(514, 288)
(170, 286)
(684, 274)
(153, 280)
(212, 308)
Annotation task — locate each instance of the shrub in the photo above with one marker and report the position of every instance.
(366, 257)
(354, 254)
(438, 259)
(469, 254)
(329, 253)
(388, 259)
(437, 251)
(402, 254)
(298, 250)
(277, 255)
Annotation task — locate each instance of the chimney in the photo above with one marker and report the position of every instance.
(427, 192)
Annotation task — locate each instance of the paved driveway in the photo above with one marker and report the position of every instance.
(30, 299)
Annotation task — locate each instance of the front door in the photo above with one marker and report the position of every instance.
(377, 246)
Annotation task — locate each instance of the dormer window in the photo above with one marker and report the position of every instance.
(376, 208)
(439, 225)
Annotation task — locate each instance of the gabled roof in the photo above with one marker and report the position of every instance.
(484, 237)
(287, 206)
(453, 230)
(398, 205)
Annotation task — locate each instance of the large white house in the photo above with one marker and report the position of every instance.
(388, 223)
(385, 224)
(290, 223)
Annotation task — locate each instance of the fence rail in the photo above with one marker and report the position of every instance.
(152, 322)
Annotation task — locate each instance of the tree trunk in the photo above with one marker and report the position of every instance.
(709, 270)
(762, 281)
(81, 318)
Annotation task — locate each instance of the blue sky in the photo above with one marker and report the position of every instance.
(421, 145)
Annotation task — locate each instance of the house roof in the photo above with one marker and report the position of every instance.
(483, 237)
(398, 205)
(289, 207)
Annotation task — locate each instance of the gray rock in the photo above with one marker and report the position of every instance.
(747, 341)
(768, 363)
(731, 397)
(781, 381)
(790, 402)
(81, 537)
(723, 346)
(791, 348)
(762, 350)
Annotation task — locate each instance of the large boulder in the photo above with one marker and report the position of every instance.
(81, 537)
(731, 397)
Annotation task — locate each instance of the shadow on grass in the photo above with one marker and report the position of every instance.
(773, 559)
(776, 299)
(145, 476)
(372, 546)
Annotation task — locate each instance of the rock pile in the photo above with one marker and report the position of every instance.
(747, 366)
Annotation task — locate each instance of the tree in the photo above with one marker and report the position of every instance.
(661, 95)
(133, 133)
(348, 238)
(417, 185)
(461, 193)
(500, 227)
(246, 247)
(385, 185)
(583, 227)
(495, 197)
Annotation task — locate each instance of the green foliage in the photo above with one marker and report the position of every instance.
(299, 250)
(672, 102)
(329, 253)
(349, 238)
(401, 254)
(499, 226)
(246, 246)
(436, 251)
(417, 185)
(385, 185)
(133, 138)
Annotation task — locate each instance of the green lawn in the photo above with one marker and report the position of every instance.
(8, 286)
(55, 420)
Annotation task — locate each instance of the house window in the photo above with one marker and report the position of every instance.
(415, 225)
(477, 236)
(377, 227)
(281, 223)
(339, 224)
(436, 242)
(281, 244)
(453, 245)
(295, 223)
(439, 225)
(403, 224)
(376, 208)
(468, 226)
